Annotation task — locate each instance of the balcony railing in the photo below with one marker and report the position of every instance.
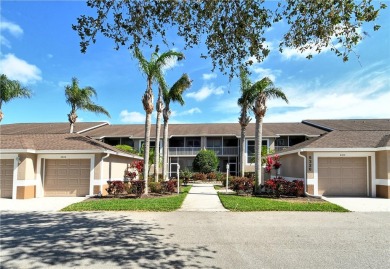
(186, 151)
(192, 151)
(280, 148)
(224, 151)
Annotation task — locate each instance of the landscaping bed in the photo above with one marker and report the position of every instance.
(234, 202)
(130, 202)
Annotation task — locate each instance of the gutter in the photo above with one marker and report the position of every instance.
(305, 177)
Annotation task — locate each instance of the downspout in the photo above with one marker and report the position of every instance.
(101, 173)
(305, 178)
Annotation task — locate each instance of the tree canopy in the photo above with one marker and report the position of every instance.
(233, 31)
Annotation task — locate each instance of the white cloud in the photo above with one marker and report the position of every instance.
(209, 76)
(189, 112)
(363, 94)
(265, 72)
(205, 92)
(131, 117)
(12, 28)
(18, 69)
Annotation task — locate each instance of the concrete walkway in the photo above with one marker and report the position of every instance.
(361, 204)
(202, 197)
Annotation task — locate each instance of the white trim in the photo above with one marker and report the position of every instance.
(246, 148)
(26, 182)
(382, 182)
(310, 181)
(93, 127)
(15, 151)
(334, 150)
(8, 156)
(342, 154)
(15, 157)
(293, 178)
(91, 174)
(40, 178)
(15, 177)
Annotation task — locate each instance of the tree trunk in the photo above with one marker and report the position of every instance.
(72, 117)
(147, 101)
(146, 150)
(242, 150)
(258, 154)
(1, 115)
(166, 114)
(159, 108)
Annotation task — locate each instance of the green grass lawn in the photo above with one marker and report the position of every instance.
(234, 202)
(167, 203)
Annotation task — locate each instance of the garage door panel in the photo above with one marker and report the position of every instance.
(67, 177)
(342, 176)
(6, 177)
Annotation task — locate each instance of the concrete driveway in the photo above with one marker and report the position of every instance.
(361, 204)
(45, 204)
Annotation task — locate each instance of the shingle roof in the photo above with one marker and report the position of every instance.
(345, 140)
(47, 128)
(56, 142)
(206, 129)
(352, 125)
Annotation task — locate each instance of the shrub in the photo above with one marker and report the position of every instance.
(138, 165)
(115, 187)
(249, 174)
(205, 161)
(155, 187)
(186, 175)
(199, 176)
(220, 176)
(231, 178)
(169, 186)
(279, 186)
(127, 149)
(137, 187)
(212, 176)
(242, 185)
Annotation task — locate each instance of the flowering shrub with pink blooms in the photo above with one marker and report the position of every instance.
(279, 186)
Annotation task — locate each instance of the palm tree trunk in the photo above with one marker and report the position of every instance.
(1, 115)
(242, 150)
(146, 149)
(72, 117)
(147, 101)
(258, 145)
(165, 151)
(159, 108)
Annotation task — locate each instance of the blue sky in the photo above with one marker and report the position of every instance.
(39, 48)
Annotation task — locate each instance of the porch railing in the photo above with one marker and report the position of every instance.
(192, 151)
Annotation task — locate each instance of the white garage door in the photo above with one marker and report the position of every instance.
(6, 177)
(342, 176)
(67, 177)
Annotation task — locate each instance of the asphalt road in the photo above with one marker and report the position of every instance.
(195, 240)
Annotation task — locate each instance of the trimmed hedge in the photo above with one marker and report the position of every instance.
(206, 161)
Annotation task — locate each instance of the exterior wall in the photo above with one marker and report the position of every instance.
(310, 189)
(383, 191)
(26, 181)
(27, 166)
(118, 165)
(292, 166)
(382, 174)
(383, 164)
(25, 192)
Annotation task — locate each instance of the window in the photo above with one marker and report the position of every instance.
(214, 142)
(193, 142)
(250, 150)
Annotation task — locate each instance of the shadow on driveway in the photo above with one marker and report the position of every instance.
(41, 240)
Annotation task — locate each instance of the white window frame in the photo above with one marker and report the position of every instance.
(246, 149)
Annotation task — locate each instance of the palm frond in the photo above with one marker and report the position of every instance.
(95, 108)
(176, 92)
(11, 89)
(143, 63)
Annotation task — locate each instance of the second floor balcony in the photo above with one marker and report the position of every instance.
(193, 151)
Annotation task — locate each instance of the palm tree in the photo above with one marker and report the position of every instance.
(80, 98)
(153, 70)
(260, 92)
(11, 89)
(244, 102)
(175, 94)
(159, 108)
